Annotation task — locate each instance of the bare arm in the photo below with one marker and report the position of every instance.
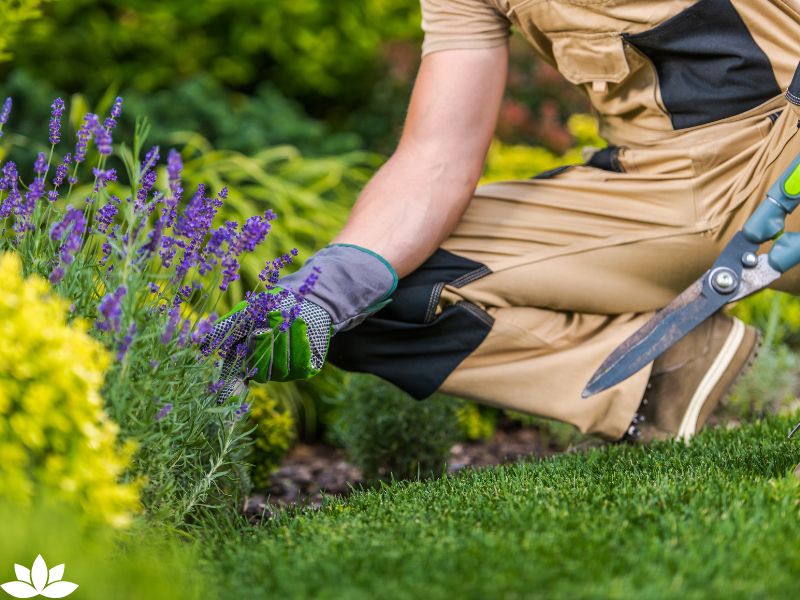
(416, 199)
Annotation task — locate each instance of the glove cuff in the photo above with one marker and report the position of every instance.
(353, 283)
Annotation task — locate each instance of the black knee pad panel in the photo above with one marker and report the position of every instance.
(407, 343)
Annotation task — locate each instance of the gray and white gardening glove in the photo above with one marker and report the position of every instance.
(335, 290)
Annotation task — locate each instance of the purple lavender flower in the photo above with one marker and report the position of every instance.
(174, 170)
(61, 170)
(254, 231)
(154, 289)
(110, 310)
(215, 387)
(84, 135)
(56, 275)
(126, 342)
(147, 183)
(309, 282)
(271, 271)
(193, 225)
(172, 325)
(106, 247)
(9, 181)
(103, 177)
(116, 111)
(230, 271)
(150, 159)
(56, 110)
(4, 113)
(102, 139)
(182, 295)
(105, 215)
(169, 247)
(40, 165)
(59, 177)
(165, 410)
(214, 247)
(69, 231)
(204, 327)
(241, 411)
(183, 334)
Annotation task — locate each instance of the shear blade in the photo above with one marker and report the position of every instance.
(669, 325)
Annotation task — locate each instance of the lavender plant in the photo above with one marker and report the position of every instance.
(145, 261)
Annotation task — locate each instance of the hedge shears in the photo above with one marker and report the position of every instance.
(738, 272)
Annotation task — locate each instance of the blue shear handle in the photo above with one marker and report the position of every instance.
(785, 253)
(767, 221)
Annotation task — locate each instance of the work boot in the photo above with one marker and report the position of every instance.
(690, 379)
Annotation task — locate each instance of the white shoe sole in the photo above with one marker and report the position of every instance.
(718, 368)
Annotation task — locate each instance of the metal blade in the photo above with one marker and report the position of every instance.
(666, 327)
(693, 306)
(698, 302)
(736, 273)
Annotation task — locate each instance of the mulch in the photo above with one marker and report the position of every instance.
(312, 471)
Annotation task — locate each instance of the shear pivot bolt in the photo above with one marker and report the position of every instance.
(724, 281)
(749, 260)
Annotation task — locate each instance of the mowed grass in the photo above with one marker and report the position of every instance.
(718, 518)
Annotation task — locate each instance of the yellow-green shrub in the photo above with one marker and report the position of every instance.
(520, 162)
(56, 441)
(476, 422)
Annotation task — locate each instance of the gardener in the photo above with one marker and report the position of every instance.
(513, 294)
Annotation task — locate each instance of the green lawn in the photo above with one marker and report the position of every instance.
(719, 518)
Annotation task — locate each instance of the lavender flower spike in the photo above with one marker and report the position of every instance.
(165, 410)
(126, 342)
(56, 110)
(84, 135)
(116, 110)
(110, 310)
(4, 112)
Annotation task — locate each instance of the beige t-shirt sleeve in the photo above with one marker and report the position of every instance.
(461, 24)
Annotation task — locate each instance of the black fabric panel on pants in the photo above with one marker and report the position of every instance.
(793, 93)
(709, 67)
(550, 173)
(405, 343)
(606, 159)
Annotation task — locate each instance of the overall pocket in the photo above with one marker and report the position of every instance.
(709, 66)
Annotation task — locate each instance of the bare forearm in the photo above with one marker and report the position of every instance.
(411, 205)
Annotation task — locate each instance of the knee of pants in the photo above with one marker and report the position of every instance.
(409, 343)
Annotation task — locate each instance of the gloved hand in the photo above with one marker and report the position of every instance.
(350, 283)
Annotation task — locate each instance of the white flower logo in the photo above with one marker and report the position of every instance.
(38, 581)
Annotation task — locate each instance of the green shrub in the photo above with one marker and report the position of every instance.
(770, 386)
(311, 47)
(388, 435)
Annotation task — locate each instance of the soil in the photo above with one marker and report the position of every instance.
(312, 471)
